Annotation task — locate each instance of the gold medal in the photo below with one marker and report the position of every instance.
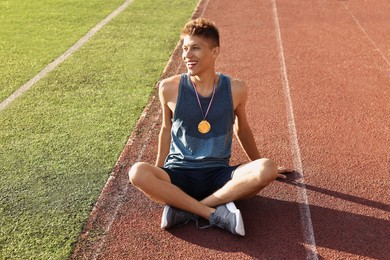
(204, 127)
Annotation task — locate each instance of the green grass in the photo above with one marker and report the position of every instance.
(60, 140)
(34, 33)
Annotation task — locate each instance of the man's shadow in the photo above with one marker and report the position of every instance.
(274, 229)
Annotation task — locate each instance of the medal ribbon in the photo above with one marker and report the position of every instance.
(197, 96)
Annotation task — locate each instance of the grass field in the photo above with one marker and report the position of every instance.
(35, 32)
(60, 140)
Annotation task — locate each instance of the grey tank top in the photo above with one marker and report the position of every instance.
(191, 149)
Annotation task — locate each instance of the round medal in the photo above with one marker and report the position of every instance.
(204, 127)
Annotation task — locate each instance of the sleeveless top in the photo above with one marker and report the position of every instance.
(191, 149)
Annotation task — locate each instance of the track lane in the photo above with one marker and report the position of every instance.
(340, 93)
(373, 21)
(272, 219)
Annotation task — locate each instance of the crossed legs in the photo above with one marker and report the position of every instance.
(247, 181)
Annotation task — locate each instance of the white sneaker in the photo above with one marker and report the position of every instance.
(228, 217)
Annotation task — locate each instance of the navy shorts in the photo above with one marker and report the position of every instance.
(200, 183)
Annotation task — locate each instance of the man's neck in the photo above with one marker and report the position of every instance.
(205, 81)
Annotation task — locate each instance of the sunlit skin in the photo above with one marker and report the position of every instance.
(199, 55)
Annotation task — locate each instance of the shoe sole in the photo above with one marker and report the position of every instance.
(164, 217)
(240, 230)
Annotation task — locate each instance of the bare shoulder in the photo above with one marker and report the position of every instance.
(169, 87)
(168, 90)
(239, 91)
(238, 85)
(170, 82)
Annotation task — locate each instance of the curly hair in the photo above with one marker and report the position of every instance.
(204, 28)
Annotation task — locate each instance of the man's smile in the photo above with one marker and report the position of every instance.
(191, 64)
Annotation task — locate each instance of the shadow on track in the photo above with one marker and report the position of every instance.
(273, 229)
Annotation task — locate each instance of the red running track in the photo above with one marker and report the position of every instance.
(319, 79)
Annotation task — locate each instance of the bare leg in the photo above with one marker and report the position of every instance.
(156, 184)
(247, 181)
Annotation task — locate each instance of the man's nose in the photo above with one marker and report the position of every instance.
(187, 54)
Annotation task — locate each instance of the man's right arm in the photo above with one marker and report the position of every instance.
(164, 139)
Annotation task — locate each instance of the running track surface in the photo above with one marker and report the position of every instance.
(319, 79)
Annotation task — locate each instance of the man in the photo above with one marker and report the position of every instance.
(200, 112)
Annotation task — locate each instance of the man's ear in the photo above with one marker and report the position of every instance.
(215, 52)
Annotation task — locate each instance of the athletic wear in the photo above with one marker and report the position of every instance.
(200, 183)
(228, 217)
(198, 163)
(173, 217)
(191, 149)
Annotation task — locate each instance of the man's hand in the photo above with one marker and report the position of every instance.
(283, 171)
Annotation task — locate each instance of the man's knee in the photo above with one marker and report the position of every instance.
(138, 173)
(268, 170)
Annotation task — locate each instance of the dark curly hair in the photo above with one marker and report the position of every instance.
(204, 28)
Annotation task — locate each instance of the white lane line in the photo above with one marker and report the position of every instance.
(204, 9)
(366, 34)
(304, 209)
(63, 57)
(112, 178)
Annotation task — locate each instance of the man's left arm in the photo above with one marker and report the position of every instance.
(244, 134)
(243, 131)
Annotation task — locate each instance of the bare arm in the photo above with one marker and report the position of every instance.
(245, 137)
(164, 139)
(241, 126)
(242, 129)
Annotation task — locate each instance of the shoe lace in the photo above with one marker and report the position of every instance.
(183, 218)
(216, 221)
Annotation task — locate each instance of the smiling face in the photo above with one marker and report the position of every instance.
(200, 46)
(199, 54)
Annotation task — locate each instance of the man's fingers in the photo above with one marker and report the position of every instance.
(282, 169)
